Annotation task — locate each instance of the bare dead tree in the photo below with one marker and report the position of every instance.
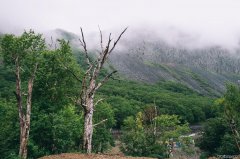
(91, 83)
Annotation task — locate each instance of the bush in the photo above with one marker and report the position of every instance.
(139, 137)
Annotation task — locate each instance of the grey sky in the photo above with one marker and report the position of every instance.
(216, 21)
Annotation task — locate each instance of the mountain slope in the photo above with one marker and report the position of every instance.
(205, 70)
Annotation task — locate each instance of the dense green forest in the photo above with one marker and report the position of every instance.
(57, 121)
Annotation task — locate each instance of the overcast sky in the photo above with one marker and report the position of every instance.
(209, 20)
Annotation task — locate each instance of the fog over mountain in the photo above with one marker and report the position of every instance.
(150, 59)
(189, 22)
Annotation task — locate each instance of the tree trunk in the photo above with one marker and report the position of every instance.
(88, 126)
(23, 142)
(88, 129)
(24, 119)
(25, 127)
(23, 139)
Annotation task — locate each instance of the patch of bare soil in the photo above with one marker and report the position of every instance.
(90, 156)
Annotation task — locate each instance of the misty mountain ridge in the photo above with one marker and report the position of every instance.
(205, 70)
(150, 59)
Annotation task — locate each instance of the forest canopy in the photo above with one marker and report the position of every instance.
(57, 121)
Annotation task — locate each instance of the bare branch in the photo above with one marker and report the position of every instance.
(101, 39)
(119, 37)
(84, 87)
(100, 122)
(83, 39)
(98, 101)
(104, 80)
(80, 42)
(105, 52)
(78, 102)
(84, 45)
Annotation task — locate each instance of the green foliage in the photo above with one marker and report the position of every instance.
(227, 145)
(231, 103)
(57, 132)
(57, 125)
(188, 145)
(170, 126)
(176, 87)
(7, 83)
(26, 51)
(9, 132)
(27, 48)
(128, 98)
(122, 107)
(67, 127)
(214, 130)
(218, 136)
(54, 114)
(136, 141)
(142, 139)
(102, 137)
(55, 84)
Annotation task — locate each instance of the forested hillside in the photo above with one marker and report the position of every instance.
(203, 69)
(119, 79)
(147, 113)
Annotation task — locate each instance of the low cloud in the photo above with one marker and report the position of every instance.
(187, 22)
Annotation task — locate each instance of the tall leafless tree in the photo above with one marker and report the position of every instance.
(91, 83)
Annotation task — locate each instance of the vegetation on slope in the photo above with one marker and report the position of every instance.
(57, 124)
(221, 134)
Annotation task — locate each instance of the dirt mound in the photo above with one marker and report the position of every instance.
(91, 156)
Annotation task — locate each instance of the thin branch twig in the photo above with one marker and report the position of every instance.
(104, 80)
(100, 122)
(101, 39)
(119, 37)
(98, 101)
(84, 45)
